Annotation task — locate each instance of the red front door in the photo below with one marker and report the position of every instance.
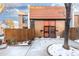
(49, 29)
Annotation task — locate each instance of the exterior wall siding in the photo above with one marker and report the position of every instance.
(39, 25)
(60, 26)
(76, 18)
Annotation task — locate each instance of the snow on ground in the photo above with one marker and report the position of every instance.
(25, 43)
(37, 48)
(14, 51)
(76, 41)
(58, 50)
(3, 46)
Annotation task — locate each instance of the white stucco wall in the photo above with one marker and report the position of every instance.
(72, 17)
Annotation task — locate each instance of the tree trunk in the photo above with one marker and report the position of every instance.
(67, 24)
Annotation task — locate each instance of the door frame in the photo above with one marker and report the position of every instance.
(49, 31)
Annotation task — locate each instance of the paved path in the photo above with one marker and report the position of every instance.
(38, 47)
(14, 51)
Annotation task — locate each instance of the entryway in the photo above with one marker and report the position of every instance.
(49, 31)
(45, 28)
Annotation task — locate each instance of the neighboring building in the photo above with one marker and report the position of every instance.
(49, 21)
(74, 31)
(22, 19)
(76, 18)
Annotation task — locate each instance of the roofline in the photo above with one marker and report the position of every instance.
(47, 19)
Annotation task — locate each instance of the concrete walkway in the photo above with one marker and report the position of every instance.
(37, 48)
(14, 51)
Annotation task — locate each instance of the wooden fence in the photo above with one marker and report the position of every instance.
(74, 33)
(19, 34)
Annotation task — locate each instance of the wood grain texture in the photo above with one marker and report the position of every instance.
(19, 34)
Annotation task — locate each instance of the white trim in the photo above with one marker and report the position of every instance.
(28, 16)
(72, 15)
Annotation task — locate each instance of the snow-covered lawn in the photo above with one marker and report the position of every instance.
(2, 46)
(37, 48)
(58, 50)
(77, 40)
(25, 43)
